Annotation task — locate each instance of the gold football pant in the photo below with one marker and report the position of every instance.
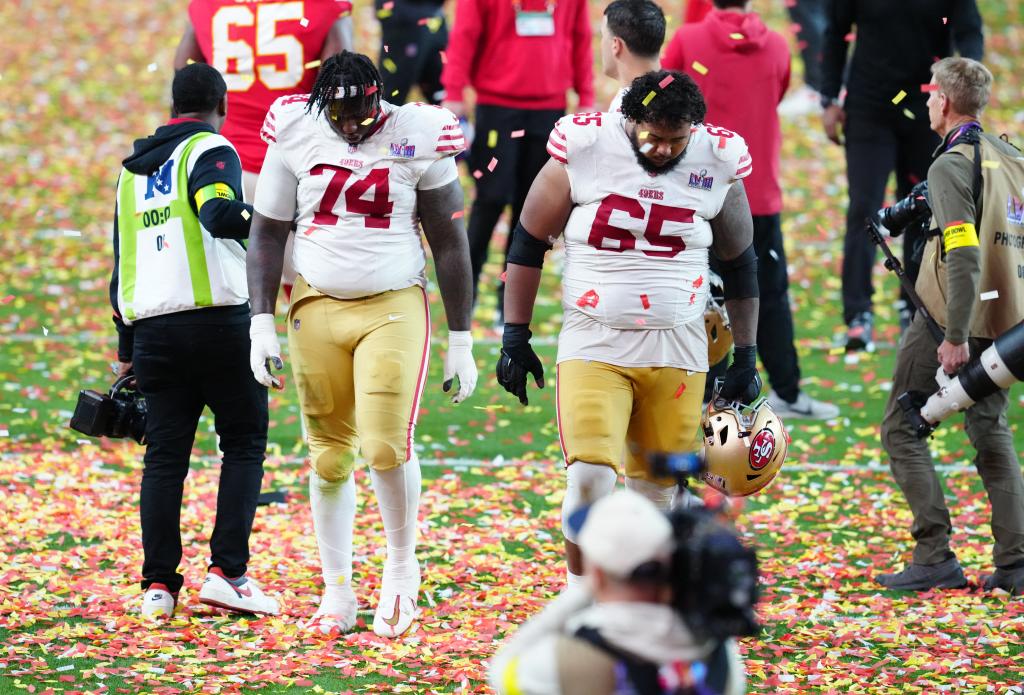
(359, 367)
(609, 414)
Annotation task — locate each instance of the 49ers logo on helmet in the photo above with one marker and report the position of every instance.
(762, 448)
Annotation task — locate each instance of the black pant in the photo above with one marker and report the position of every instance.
(876, 144)
(184, 362)
(775, 344)
(810, 15)
(519, 160)
(413, 57)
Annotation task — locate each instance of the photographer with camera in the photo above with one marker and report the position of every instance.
(625, 630)
(181, 308)
(971, 283)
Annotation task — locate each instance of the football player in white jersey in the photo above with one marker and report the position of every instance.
(642, 196)
(632, 32)
(357, 176)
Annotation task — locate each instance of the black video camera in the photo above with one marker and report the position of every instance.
(713, 575)
(121, 412)
(914, 209)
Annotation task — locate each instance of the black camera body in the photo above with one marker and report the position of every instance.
(119, 413)
(903, 214)
(713, 575)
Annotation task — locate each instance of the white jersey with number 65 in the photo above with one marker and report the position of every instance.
(637, 243)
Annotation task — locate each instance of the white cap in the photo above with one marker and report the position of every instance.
(623, 531)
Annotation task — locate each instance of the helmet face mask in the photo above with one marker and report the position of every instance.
(744, 446)
(716, 322)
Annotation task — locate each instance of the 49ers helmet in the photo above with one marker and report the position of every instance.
(716, 322)
(744, 446)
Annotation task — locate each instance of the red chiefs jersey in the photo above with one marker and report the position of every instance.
(264, 49)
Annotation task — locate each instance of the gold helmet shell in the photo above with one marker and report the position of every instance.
(744, 447)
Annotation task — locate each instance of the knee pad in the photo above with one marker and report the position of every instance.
(661, 496)
(584, 483)
(380, 455)
(334, 464)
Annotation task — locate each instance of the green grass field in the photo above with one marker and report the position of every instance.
(490, 533)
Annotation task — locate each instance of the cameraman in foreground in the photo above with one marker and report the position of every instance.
(970, 281)
(622, 633)
(182, 313)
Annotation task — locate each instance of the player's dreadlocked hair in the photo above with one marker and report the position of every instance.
(678, 101)
(353, 73)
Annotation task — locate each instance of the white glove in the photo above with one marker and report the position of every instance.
(264, 349)
(459, 363)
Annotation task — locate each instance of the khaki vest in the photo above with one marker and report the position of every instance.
(1001, 233)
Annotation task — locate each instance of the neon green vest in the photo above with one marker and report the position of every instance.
(168, 262)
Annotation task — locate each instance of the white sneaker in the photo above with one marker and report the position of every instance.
(803, 408)
(158, 602)
(337, 611)
(803, 101)
(396, 605)
(241, 594)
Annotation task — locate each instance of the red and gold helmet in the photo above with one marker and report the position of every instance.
(744, 447)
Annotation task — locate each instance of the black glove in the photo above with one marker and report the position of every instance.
(518, 359)
(742, 382)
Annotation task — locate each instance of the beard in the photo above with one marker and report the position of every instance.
(649, 166)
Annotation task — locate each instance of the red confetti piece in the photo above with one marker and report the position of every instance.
(589, 298)
(503, 275)
(929, 88)
(477, 174)
(679, 391)
(457, 214)
(669, 79)
(645, 301)
(371, 89)
(517, 133)
(850, 37)
(721, 142)
(698, 282)
(444, 57)
(493, 163)
(693, 298)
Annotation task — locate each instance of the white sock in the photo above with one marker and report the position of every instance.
(662, 497)
(585, 483)
(398, 496)
(334, 513)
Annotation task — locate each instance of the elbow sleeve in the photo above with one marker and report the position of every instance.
(739, 275)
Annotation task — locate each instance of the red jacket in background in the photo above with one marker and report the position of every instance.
(696, 10)
(283, 61)
(742, 67)
(522, 72)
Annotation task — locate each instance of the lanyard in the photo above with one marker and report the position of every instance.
(963, 129)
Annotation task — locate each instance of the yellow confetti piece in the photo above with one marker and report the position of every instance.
(245, 215)
(989, 164)
(643, 134)
(737, 36)
(899, 97)
(492, 138)
(189, 61)
(368, 121)
(837, 351)
(649, 97)
(699, 67)
(312, 64)
(390, 66)
(394, 93)
(909, 114)
(384, 14)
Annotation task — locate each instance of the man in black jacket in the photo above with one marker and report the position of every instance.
(413, 34)
(883, 122)
(181, 308)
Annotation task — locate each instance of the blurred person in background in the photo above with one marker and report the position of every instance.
(743, 69)
(413, 35)
(519, 58)
(882, 123)
(632, 32)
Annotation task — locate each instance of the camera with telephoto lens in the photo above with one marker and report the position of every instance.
(713, 574)
(903, 214)
(121, 412)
